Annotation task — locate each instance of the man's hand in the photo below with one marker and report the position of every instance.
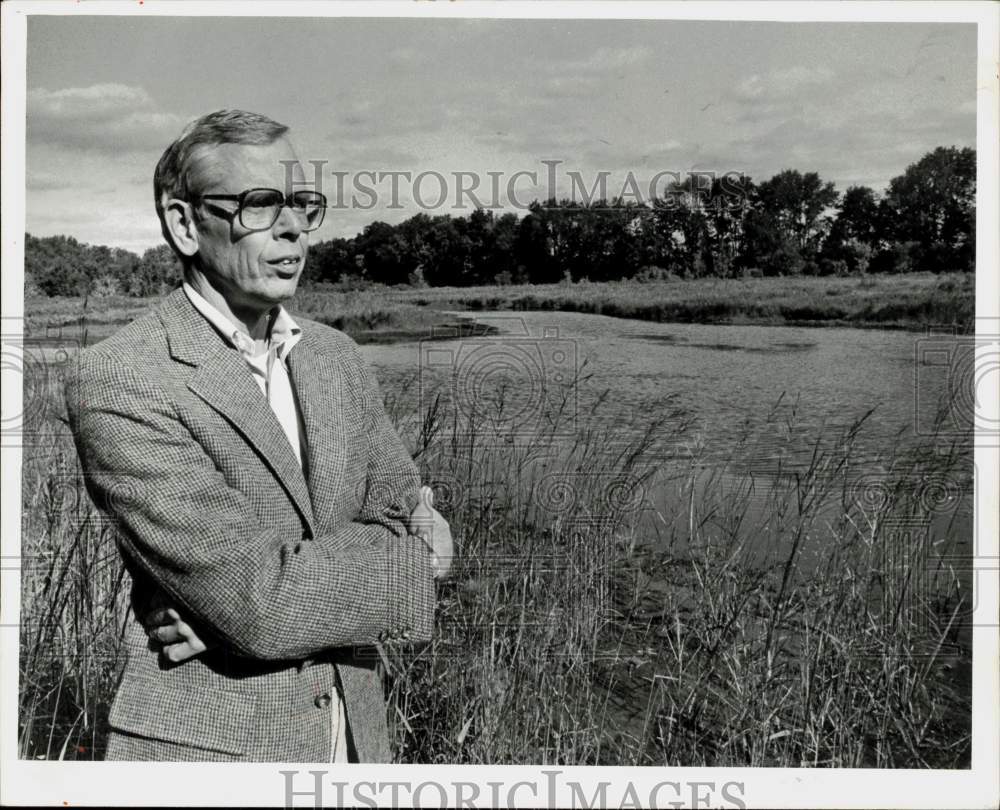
(427, 523)
(176, 640)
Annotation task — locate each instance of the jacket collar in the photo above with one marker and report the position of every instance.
(282, 330)
(222, 379)
(190, 338)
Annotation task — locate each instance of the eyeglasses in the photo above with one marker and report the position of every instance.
(259, 208)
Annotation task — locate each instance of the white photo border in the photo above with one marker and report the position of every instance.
(190, 784)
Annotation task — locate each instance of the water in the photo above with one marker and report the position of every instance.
(781, 388)
(778, 393)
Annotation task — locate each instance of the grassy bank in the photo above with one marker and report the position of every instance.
(366, 315)
(911, 301)
(578, 628)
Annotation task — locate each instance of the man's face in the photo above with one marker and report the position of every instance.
(252, 269)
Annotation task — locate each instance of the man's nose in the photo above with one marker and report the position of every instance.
(288, 224)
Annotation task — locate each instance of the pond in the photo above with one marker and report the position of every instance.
(756, 402)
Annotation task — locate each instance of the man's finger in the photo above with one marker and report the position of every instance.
(166, 634)
(185, 632)
(183, 650)
(442, 525)
(179, 652)
(161, 616)
(421, 521)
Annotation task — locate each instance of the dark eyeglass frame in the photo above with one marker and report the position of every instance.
(288, 201)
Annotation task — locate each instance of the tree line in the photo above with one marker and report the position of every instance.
(791, 224)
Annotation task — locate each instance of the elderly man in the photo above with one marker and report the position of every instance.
(266, 508)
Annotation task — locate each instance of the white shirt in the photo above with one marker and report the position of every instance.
(270, 370)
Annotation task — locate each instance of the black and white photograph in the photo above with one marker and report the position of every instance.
(474, 384)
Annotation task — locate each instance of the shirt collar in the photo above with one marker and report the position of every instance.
(283, 332)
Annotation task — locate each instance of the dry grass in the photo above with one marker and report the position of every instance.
(571, 636)
(74, 594)
(914, 301)
(363, 314)
(579, 628)
(910, 301)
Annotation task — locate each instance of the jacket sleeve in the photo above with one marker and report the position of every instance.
(267, 595)
(392, 482)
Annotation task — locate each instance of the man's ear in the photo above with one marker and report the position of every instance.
(179, 218)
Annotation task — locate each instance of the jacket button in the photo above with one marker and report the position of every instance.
(322, 701)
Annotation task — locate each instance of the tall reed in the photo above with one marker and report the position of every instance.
(608, 605)
(796, 619)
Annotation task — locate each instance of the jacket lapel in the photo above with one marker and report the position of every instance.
(319, 388)
(223, 381)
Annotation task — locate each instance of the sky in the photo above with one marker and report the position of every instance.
(855, 102)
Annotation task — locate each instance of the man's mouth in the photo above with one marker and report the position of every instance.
(286, 263)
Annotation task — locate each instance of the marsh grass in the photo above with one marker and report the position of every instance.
(912, 300)
(74, 596)
(363, 314)
(583, 637)
(583, 625)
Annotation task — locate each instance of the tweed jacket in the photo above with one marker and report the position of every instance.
(295, 575)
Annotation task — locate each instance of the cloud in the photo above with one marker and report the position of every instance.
(796, 91)
(850, 148)
(99, 102)
(44, 181)
(405, 57)
(366, 120)
(526, 114)
(100, 117)
(377, 155)
(602, 60)
(120, 222)
(781, 85)
(566, 87)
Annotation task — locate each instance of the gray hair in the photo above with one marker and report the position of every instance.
(171, 178)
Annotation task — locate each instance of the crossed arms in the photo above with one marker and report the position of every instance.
(263, 593)
(178, 640)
